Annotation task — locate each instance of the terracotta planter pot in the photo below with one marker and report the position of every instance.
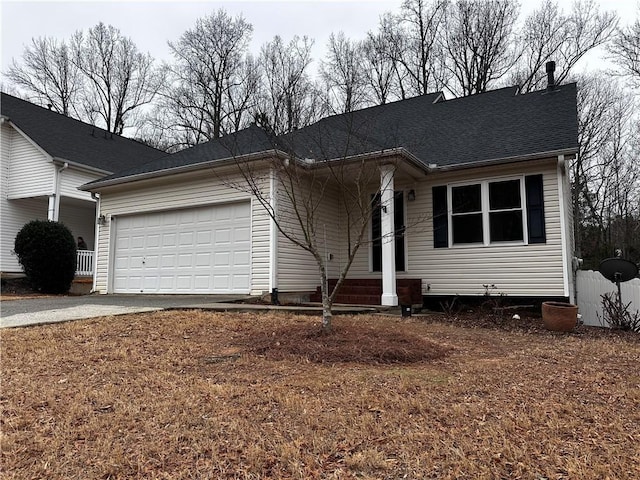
(559, 316)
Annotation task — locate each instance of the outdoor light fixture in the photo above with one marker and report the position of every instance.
(102, 220)
(411, 195)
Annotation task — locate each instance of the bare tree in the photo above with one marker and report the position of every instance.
(479, 39)
(605, 175)
(304, 190)
(119, 78)
(244, 95)
(343, 74)
(48, 75)
(549, 34)
(289, 96)
(209, 69)
(378, 69)
(410, 41)
(625, 48)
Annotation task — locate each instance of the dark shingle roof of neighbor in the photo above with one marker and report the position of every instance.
(75, 141)
(499, 124)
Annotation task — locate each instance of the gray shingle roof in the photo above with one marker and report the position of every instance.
(489, 126)
(73, 140)
(494, 125)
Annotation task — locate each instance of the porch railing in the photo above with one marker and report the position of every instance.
(84, 263)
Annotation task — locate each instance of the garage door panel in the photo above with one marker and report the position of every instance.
(169, 239)
(222, 237)
(203, 238)
(242, 259)
(242, 281)
(185, 260)
(242, 234)
(203, 250)
(203, 259)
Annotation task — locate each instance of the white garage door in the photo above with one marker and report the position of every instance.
(199, 250)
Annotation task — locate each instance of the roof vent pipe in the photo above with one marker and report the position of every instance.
(551, 68)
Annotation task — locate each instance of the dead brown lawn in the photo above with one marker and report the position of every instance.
(195, 395)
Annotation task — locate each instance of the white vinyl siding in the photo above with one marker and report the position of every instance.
(31, 173)
(15, 214)
(183, 191)
(297, 268)
(71, 178)
(515, 269)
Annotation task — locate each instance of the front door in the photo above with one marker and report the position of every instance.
(376, 232)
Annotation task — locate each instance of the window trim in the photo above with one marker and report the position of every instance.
(485, 210)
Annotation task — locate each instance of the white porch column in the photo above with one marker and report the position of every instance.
(52, 210)
(389, 296)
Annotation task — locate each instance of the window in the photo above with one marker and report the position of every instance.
(466, 214)
(505, 211)
(486, 212)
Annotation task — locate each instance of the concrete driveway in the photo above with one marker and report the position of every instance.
(35, 311)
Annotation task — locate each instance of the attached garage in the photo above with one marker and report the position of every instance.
(204, 250)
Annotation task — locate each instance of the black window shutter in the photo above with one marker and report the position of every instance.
(440, 217)
(535, 208)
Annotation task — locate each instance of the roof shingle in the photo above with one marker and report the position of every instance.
(75, 141)
(495, 125)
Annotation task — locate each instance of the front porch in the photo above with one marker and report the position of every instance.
(368, 291)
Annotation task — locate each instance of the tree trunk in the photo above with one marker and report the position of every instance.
(326, 302)
(327, 316)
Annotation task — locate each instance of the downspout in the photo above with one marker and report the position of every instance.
(564, 240)
(53, 213)
(96, 234)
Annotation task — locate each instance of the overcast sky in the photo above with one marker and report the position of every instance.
(152, 23)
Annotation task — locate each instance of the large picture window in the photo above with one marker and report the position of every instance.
(488, 212)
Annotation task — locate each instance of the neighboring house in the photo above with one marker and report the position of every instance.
(487, 174)
(44, 158)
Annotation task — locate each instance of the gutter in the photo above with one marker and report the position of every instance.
(499, 161)
(376, 155)
(80, 166)
(97, 184)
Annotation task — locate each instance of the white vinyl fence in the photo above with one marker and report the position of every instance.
(591, 285)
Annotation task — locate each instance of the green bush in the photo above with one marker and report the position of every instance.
(47, 252)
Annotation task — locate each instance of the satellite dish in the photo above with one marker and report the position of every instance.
(618, 270)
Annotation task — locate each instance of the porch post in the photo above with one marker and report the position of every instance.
(389, 296)
(52, 210)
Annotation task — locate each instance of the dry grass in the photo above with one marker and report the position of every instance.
(193, 395)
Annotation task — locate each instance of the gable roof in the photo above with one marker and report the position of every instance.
(74, 141)
(492, 126)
